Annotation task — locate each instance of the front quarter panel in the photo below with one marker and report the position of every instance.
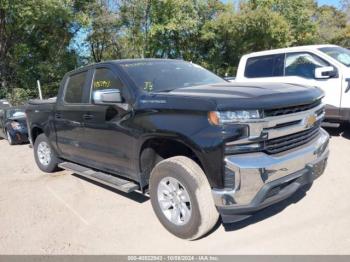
(190, 127)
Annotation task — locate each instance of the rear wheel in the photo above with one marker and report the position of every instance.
(181, 198)
(45, 157)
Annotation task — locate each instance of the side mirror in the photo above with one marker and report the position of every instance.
(230, 78)
(107, 97)
(325, 72)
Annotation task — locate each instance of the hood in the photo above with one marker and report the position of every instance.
(252, 95)
(21, 120)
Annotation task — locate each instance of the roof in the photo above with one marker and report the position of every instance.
(128, 61)
(288, 49)
(121, 61)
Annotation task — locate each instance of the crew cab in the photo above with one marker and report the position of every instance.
(199, 146)
(324, 66)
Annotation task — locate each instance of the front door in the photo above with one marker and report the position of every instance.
(303, 64)
(345, 98)
(108, 144)
(295, 68)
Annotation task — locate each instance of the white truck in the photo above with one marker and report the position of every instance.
(324, 66)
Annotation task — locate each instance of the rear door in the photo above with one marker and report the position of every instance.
(70, 110)
(108, 144)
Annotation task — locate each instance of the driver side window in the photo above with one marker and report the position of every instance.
(104, 79)
(303, 64)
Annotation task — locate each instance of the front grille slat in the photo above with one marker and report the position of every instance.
(284, 143)
(290, 109)
(290, 142)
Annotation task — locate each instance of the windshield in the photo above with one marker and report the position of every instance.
(15, 113)
(340, 54)
(168, 75)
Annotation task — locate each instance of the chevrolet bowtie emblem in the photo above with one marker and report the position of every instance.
(310, 121)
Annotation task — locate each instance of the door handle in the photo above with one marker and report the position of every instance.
(58, 115)
(88, 116)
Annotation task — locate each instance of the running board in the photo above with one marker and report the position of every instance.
(329, 124)
(103, 178)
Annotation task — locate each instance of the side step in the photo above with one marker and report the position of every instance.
(329, 124)
(103, 178)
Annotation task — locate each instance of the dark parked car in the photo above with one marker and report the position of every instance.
(13, 125)
(201, 146)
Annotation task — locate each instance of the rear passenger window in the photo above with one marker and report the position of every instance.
(75, 88)
(303, 64)
(265, 66)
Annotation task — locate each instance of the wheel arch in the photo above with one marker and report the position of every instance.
(35, 132)
(155, 149)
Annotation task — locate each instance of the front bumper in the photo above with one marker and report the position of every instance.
(262, 180)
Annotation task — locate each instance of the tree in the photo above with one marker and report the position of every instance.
(331, 23)
(233, 34)
(299, 15)
(136, 19)
(35, 35)
(345, 7)
(103, 32)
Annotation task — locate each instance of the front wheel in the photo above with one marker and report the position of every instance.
(181, 198)
(9, 138)
(45, 157)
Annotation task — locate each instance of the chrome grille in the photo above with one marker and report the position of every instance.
(291, 109)
(280, 144)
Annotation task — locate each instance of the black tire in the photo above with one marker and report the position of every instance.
(9, 138)
(204, 214)
(51, 165)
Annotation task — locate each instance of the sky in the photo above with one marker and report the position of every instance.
(335, 3)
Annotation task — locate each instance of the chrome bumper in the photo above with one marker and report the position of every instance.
(254, 173)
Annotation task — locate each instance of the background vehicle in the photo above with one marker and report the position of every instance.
(324, 66)
(199, 145)
(4, 103)
(13, 125)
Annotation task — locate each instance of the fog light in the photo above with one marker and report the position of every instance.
(245, 148)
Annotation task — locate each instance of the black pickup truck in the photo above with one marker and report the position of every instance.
(199, 146)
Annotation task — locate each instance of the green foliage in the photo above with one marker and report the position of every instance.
(233, 34)
(298, 14)
(331, 23)
(34, 38)
(43, 39)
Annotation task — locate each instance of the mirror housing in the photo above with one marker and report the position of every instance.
(325, 72)
(107, 97)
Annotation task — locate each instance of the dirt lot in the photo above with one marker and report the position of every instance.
(64, 214)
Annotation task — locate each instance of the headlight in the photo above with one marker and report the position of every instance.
(227, 117)
(15, 125)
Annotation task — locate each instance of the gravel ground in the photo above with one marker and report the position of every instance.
(62, 213)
